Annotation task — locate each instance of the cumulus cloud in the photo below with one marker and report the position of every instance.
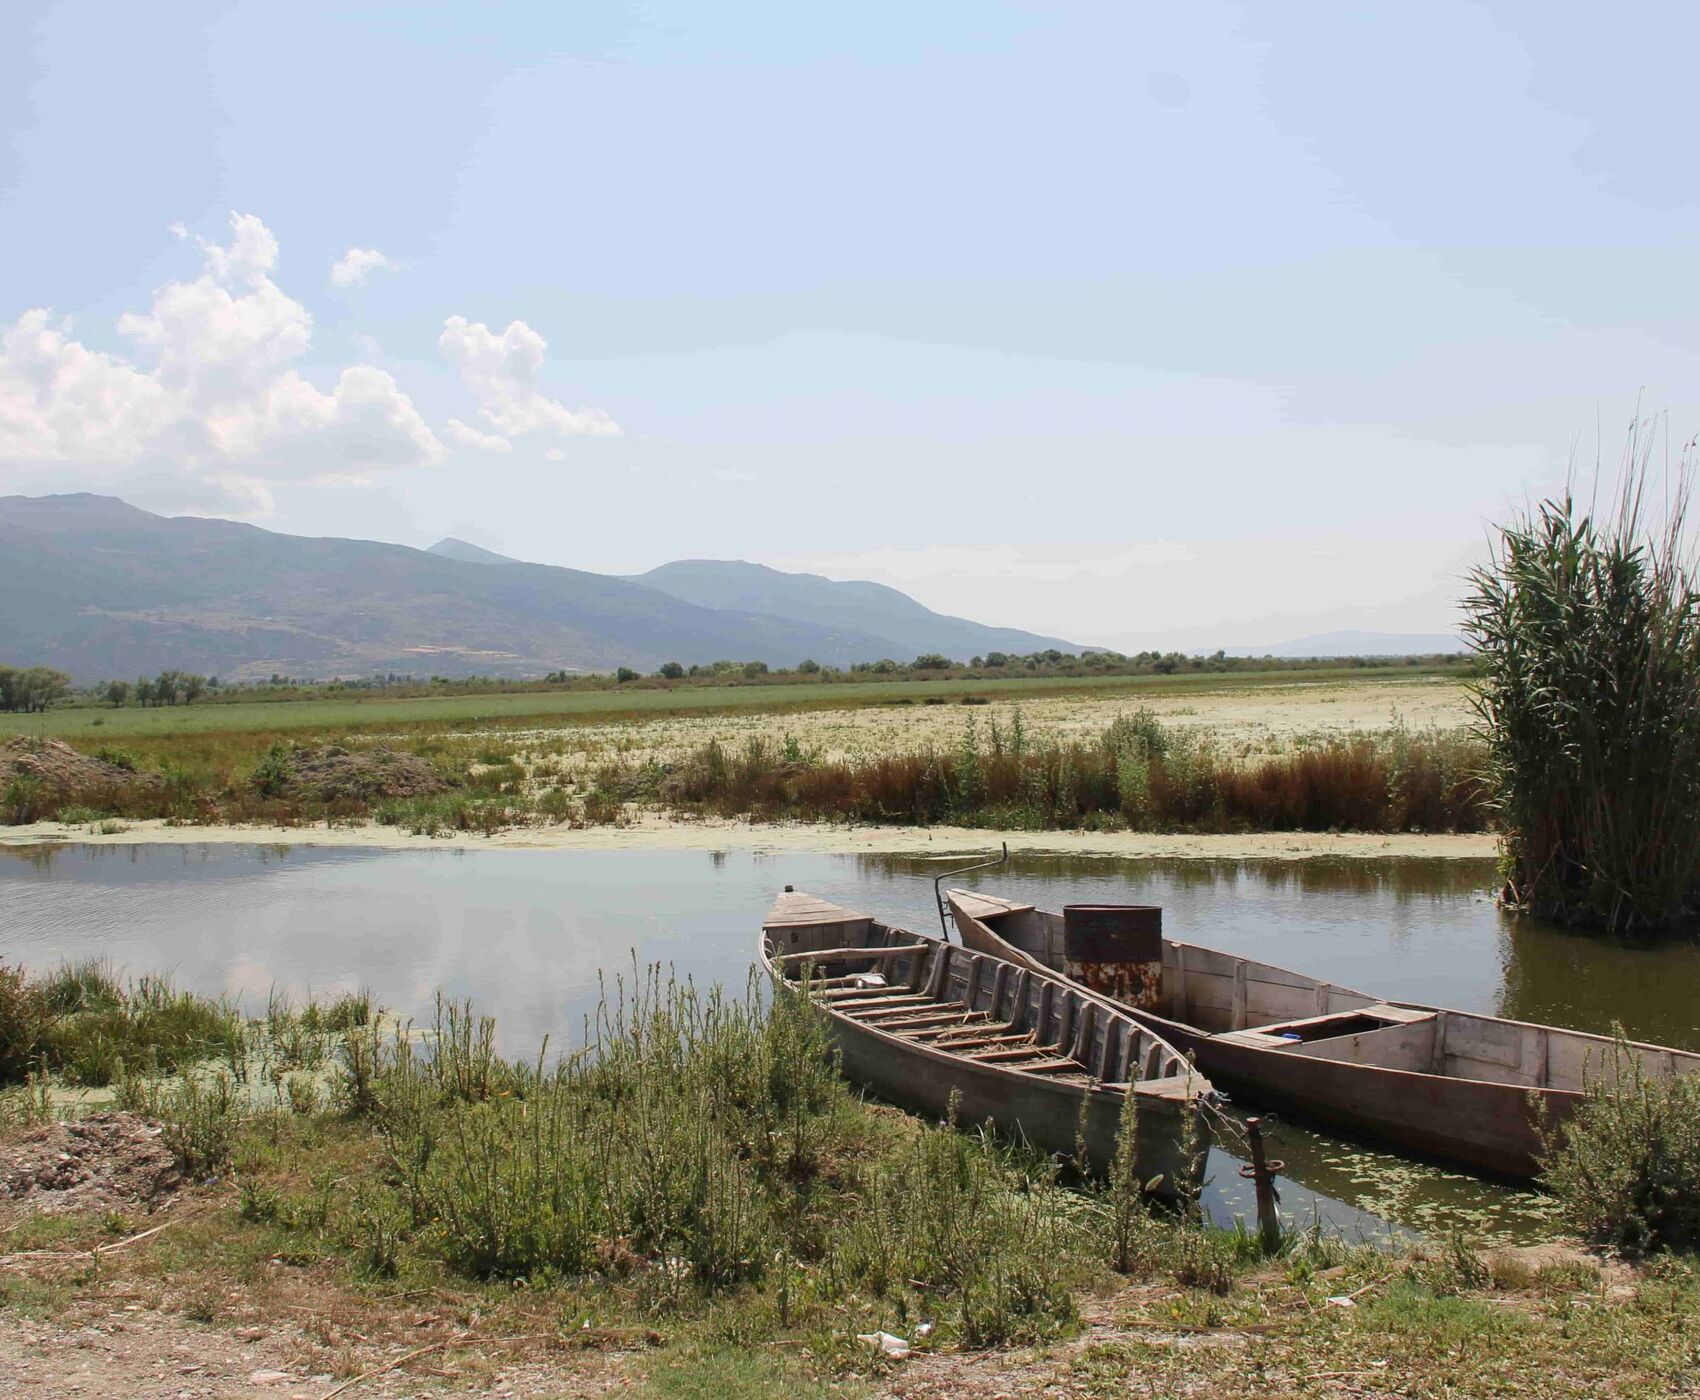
(211, 386)
(465, 435)
(501, 370)
(351, 268)
(555, 454)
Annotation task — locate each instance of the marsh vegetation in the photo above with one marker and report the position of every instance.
(692, 1196)
(1589, 633)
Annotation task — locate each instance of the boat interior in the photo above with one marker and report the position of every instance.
(1245, 1002)
(951, 1000)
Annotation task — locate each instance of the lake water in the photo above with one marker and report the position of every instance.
(525, 935)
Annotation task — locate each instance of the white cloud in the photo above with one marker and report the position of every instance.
(555, 454)
(351, 268)
(212, 387)
(464, 435)
(177, 229)
(501, 370)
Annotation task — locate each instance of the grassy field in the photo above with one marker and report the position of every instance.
(475, 711)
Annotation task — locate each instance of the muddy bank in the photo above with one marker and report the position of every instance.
(660, 834)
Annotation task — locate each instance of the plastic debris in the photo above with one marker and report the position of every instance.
(1340, 1300)
(886, 1344)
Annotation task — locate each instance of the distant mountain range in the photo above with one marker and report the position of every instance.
(99, 588)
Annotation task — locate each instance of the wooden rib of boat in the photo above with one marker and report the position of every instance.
(1471, 1090)
(917, 1020)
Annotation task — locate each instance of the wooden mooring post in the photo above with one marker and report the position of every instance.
(1262, 1171)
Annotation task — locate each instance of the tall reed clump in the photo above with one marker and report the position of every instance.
(1626, 1168)
(1589, 703)
(700, 1143)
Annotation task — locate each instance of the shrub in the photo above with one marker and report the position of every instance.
(24, 1016)
(199, 1123)
(273, 774)
(1626, 1168)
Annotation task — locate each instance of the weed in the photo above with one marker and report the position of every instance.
(200, 1120)
(1626, 1168)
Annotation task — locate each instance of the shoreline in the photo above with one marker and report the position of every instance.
(655, 834)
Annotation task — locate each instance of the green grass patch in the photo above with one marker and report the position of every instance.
(472, 711)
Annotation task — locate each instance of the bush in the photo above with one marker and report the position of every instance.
(24, 1017)
(200, 1121)
(1626, 1168)
(273, 775)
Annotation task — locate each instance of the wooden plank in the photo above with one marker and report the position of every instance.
(986, 906)
(1239, 996)
(1052, 1067)
(876, 1015)
(1177, 1003)
(847, 954)
(841, 998)
(799, 910)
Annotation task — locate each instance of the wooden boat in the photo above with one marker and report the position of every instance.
(1471, 1090)
(917, 1020)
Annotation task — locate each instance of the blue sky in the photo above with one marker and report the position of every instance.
(1209, 324)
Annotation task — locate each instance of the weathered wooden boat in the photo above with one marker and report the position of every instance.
(917, 1020)
(1476, 1091)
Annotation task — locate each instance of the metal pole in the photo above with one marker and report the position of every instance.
(938, 883)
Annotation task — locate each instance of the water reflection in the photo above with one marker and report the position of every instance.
(526, 934)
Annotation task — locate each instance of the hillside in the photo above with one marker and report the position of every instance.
(854, 606)
(99, 588)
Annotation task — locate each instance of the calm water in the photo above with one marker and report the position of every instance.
(525, 933)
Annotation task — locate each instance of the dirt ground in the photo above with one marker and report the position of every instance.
(107, 1161)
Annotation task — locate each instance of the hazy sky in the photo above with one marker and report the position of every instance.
(1209, 323)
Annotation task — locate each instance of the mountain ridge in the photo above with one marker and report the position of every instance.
(99, 588)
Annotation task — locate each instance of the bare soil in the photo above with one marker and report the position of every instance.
(61, 770)
(108, 1161)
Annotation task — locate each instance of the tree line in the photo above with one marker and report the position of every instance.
(167, 688)
(31, 689)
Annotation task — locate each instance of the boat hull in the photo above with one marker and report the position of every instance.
(1492, 1128)
(952, 1034)
(1040, 1115)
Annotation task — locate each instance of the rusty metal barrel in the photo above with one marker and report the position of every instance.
(1116, 950)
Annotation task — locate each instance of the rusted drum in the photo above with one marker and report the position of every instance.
(1116, 950)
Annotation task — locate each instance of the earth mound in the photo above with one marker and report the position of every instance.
(108, 1161)
(62, 771)
(335, 774)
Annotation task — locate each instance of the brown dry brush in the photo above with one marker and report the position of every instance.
(1136, 776)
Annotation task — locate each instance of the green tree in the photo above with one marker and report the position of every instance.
(671, 671)
(31, 688)
(117, 692)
